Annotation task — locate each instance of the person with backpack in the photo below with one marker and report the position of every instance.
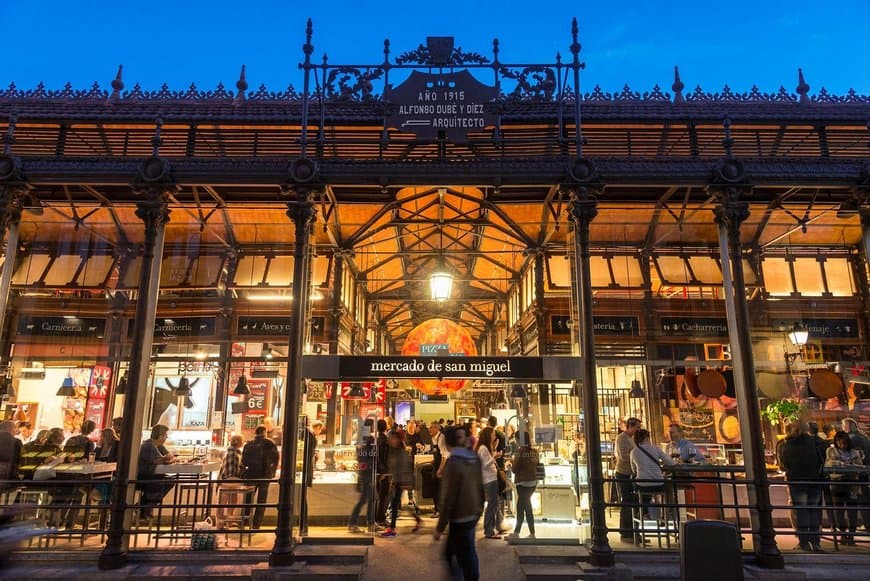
(802, 463)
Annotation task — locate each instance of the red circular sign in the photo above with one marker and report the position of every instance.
(439, 338)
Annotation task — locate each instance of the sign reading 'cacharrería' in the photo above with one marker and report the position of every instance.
(431, 103)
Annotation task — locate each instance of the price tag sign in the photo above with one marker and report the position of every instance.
(257, 404)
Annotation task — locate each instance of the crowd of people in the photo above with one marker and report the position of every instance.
(812, 464)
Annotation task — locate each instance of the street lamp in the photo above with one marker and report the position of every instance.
(799, 335)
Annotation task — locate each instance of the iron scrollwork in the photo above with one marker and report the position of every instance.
(422, 56)
(351, 83)
(536, 83)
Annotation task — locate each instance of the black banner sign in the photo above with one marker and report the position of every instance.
(830, 328)
(427, 103)
(61, 327)
(627, 326)
(455, 367)
(695, 327)
(181, 327)
(277, 326)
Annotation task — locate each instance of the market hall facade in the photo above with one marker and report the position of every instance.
(210, 260)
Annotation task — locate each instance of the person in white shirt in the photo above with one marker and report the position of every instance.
(646, 466)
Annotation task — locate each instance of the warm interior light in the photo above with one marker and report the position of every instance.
(270, 297)
(441, 284)
(200, 354)
(799, 335)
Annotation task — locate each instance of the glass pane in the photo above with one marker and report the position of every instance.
(673, 269)
(280, 271)
(560, 270)
(96, 270)
(30, 269)
(250, 270)
(626, 271)
(840, 280)
(62, 270)
(600, 271)
(808, 275)
(706, 269)
(777, 277)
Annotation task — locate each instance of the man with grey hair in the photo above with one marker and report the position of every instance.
(10, 453)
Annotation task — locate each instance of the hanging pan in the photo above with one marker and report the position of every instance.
(825, 384)
(711, 383)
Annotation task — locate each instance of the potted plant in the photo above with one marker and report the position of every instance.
(783, 412)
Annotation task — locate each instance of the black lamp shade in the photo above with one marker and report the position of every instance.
(121, 388)
(67, 388)
(636, 390)
(242, 386)
(183, 386)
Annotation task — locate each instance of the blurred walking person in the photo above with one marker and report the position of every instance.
(461, 505)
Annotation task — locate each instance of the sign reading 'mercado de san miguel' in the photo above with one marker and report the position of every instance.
(428, 103)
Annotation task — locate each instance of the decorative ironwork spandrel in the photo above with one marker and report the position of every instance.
(350, 83)
(536, 83)
(422, 56)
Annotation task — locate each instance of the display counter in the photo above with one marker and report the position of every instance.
(558, 495)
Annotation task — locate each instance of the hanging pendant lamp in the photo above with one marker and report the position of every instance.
(67, 388)
(242, 386)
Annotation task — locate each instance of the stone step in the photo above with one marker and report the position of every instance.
(551, 572)
(301, 571)
(332, 554)
(345, 540)
(555, 554)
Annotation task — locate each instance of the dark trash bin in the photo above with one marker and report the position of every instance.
(710, 551)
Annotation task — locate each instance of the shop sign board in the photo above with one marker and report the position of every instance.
(69, 326)
(264, 326)
(695, 327)
(624, 326)
(168, 329)
(830, 328)
(455, 367)
(428, 103)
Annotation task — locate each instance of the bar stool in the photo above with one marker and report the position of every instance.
(230, 495)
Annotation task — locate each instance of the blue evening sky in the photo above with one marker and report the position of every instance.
(178, 42)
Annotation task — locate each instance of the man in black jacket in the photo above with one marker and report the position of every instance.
(803, 464)
(382, 474)
(461, 505)
(260, 460)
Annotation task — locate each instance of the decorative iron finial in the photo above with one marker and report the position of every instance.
(727, 141)
(9, 138)
(803, 88)
(678, 86)
(308, 48)
(386, 50)
(157, 141)
(325, 59)
(495, 50)
(575, 44)
(242, 86)
(558, 58)
(117, 85)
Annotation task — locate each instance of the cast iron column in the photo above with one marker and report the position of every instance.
(730, 213)
(302, 213)
(10, 221)
(153, 210)
(336, 311)
(583, 211)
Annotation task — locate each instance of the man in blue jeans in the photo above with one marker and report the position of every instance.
(802, 463)
(461, 505)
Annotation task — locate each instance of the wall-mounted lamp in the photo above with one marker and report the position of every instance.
(799, 335)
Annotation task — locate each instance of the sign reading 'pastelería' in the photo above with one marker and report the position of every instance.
(429, 103)
(441, 367)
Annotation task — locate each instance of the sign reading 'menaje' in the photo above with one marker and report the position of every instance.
(441, 367)
(429, 103)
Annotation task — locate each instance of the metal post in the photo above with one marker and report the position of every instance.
(583, 211)
(12, 219)
(154, 212)
(730, 213)
(336, 311)
(302, 213)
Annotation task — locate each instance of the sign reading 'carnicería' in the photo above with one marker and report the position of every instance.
(431, 103)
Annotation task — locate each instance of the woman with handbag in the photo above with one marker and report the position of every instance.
(525, 468)
(844, 487)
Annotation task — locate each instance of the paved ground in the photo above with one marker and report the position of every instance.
(417, 557)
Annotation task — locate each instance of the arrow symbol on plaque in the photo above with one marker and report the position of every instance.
(416, 123)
